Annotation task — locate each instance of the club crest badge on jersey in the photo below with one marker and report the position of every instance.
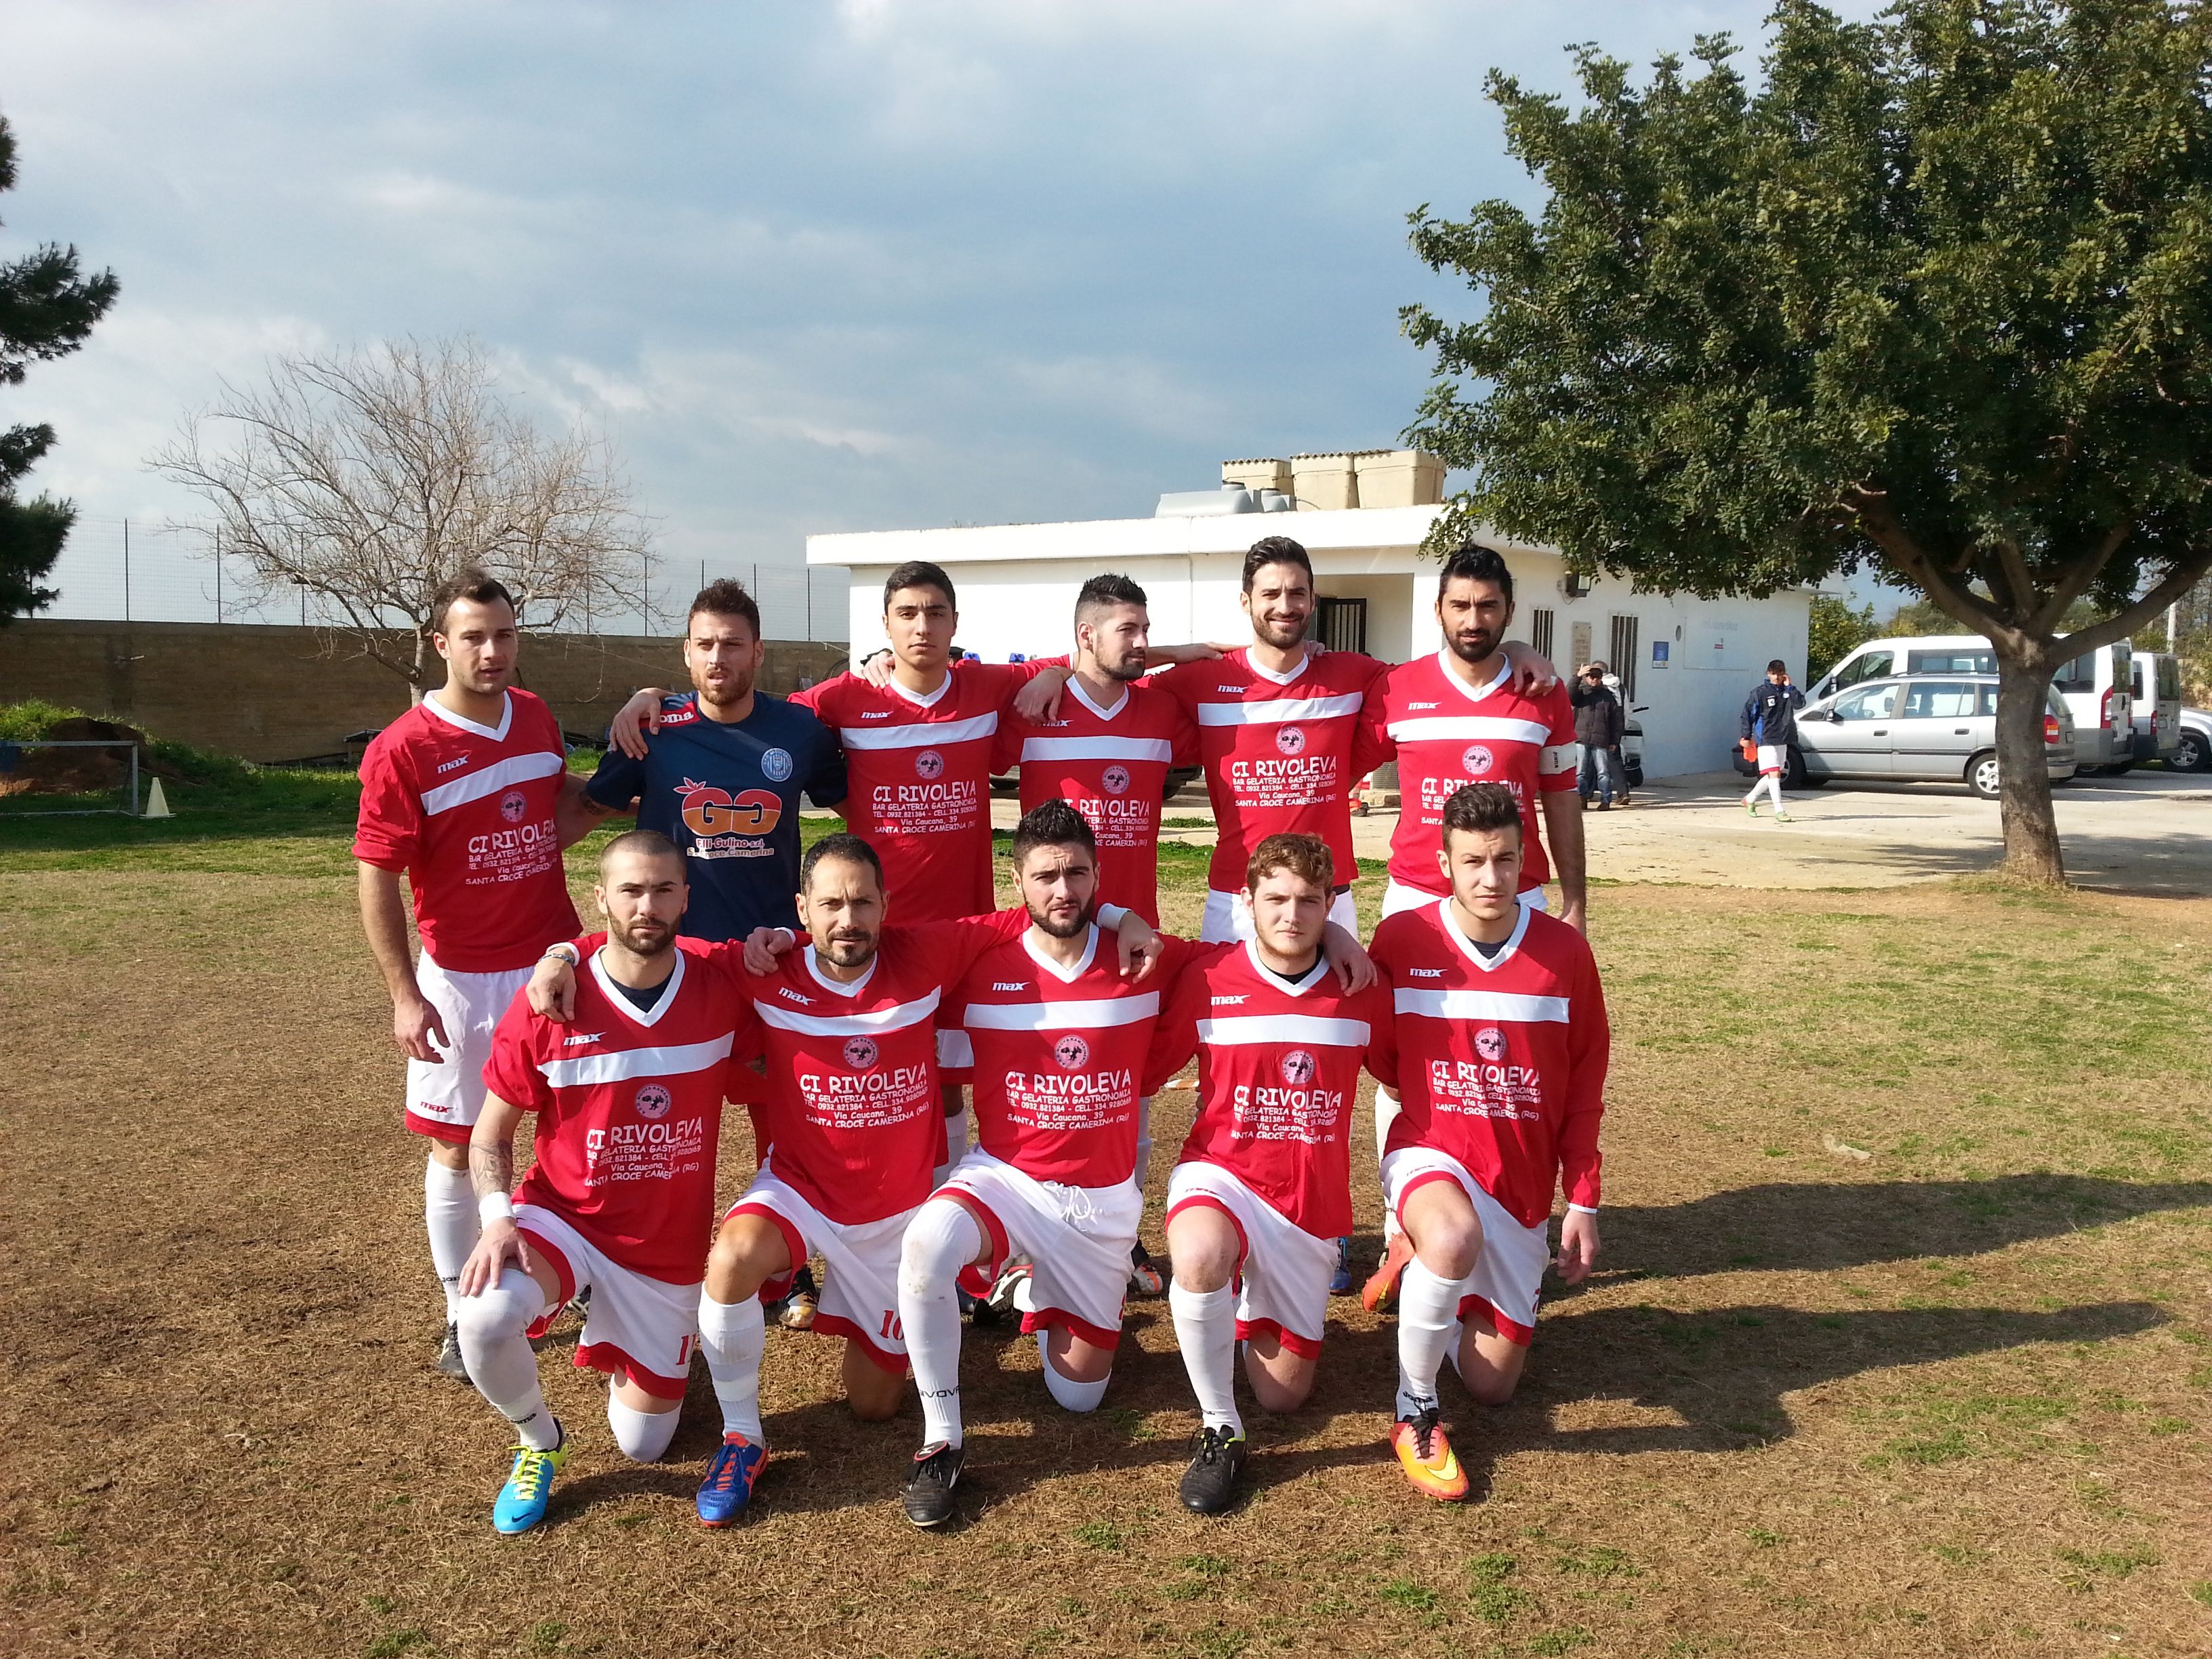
(1298, 1068)
(929, 764)
(1489, 1043)
(1474, 760)
(1071, 1051)
(1291, 739)
(860, 1053)
(1115, 780)
(653, 1103)
(513, 805)
(775, 765)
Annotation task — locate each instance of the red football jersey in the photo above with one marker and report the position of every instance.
(1057, 1056)
(630, 1108)
(853, 1116)
(1111, 765)
(1281, 752)
(1446, 733)
(1278, 1076)
(1500, 1062)
(917, 772)
(467, 812)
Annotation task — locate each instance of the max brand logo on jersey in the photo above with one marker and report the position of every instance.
(582, 1036)
(1424, 973)
(1010, 985)
(786, 992)
(445, 767)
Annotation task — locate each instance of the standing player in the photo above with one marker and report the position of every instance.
(1768, 724)
(619, 1200)
(466, 793)
(1499, 1049)
(1108, 750)
(722, 774)
(1263, 1191)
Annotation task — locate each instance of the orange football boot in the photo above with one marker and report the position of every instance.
(1427, 1457)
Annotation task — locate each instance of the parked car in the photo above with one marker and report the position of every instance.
(1937, 730)
(2194, 752)
(2157, 689)
(2099, 685)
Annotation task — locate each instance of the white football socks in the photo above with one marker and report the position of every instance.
(734, 1335)
(1428, 1314)
(492, 1326)
(1386, 1114)
(1206, 1331)
(449, 1213)
(1072, 1395)
(1144, 1144)
(956, 1144)
(943, 1237)
(643, 1436)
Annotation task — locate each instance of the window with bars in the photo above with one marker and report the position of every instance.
(1539, 633)
(1622, 658)
(1341, 625)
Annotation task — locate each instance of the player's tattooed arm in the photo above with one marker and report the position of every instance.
(576, 814)
(636, 720)
(1355, 968)
(491, 1174)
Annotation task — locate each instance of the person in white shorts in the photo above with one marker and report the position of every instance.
(1769, 725)
(1497, 1046)
(619, 1200)
(1263, 1189)
(463, 795)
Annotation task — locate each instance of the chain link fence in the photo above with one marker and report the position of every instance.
(136, 570)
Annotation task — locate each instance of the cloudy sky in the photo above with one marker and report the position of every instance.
(811, 266)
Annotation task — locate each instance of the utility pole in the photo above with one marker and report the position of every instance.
(218, 574)
(126, 570)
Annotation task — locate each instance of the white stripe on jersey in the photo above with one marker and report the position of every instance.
(1249, 1028)
(894, 1018)
(1134, 749)
(1287, 709)
(1449, 728)
(1479, 1005)
(919, 735)
(1061, 1016)
(475, 786)
(586, 1069)
(1559, 757)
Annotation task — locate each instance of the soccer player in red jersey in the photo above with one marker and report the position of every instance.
(464, 796)
(1498, 1048)
(620, 1199)
(1263, 1190)
(1108, 750)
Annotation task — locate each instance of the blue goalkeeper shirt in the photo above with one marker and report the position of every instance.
(728, 795)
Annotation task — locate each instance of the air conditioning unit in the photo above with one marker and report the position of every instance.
(1576, 585)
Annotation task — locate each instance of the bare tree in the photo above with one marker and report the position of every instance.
(366, 477)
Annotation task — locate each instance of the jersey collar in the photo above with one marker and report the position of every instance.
(1268, 675)
(833, 987)
(1488, 964)
(1075, 689)
(622, 1005)
(1471, 693)
(494, 733)
(929, 700)
(1065, 975)
(1297, 988)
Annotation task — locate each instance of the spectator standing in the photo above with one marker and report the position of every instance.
(1599, 722)
(1769, 725)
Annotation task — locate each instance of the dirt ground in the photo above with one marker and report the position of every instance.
(1901, 1354)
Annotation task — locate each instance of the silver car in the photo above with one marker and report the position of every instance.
(1922, 728)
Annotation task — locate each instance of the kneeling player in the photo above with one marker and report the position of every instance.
(620, 1201)
(1497, 1049)
(1263, 1190)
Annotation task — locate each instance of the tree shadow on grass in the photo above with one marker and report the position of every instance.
(1815, 1226)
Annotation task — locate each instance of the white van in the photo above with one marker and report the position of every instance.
(2098, 685)
(2158, 705)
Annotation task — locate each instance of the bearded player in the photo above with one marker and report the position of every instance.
(1497, 1049)
(1263, 1190)
(620, 1198)
(468, 796)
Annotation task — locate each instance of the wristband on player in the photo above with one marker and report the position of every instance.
(495, 1207)
(565, 952)
(1582, 1209)
(1110, 916)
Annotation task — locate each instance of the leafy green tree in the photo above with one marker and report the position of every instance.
(1936, 295)
(1831, 629)
(46, 310)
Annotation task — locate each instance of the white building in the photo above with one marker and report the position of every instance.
(1689, 663)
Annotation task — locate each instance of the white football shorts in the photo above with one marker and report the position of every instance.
(1282, 1278)
(1772, 757)
(859, 1291)
(1227, 917)
(1509, 1274)
(1078, 1240)
(641, 1327)
(445, 1095)
(1398, 896)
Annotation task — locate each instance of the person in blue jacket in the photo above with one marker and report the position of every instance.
(1768, 724)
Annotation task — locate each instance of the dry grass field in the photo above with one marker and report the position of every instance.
(1899, 1345)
